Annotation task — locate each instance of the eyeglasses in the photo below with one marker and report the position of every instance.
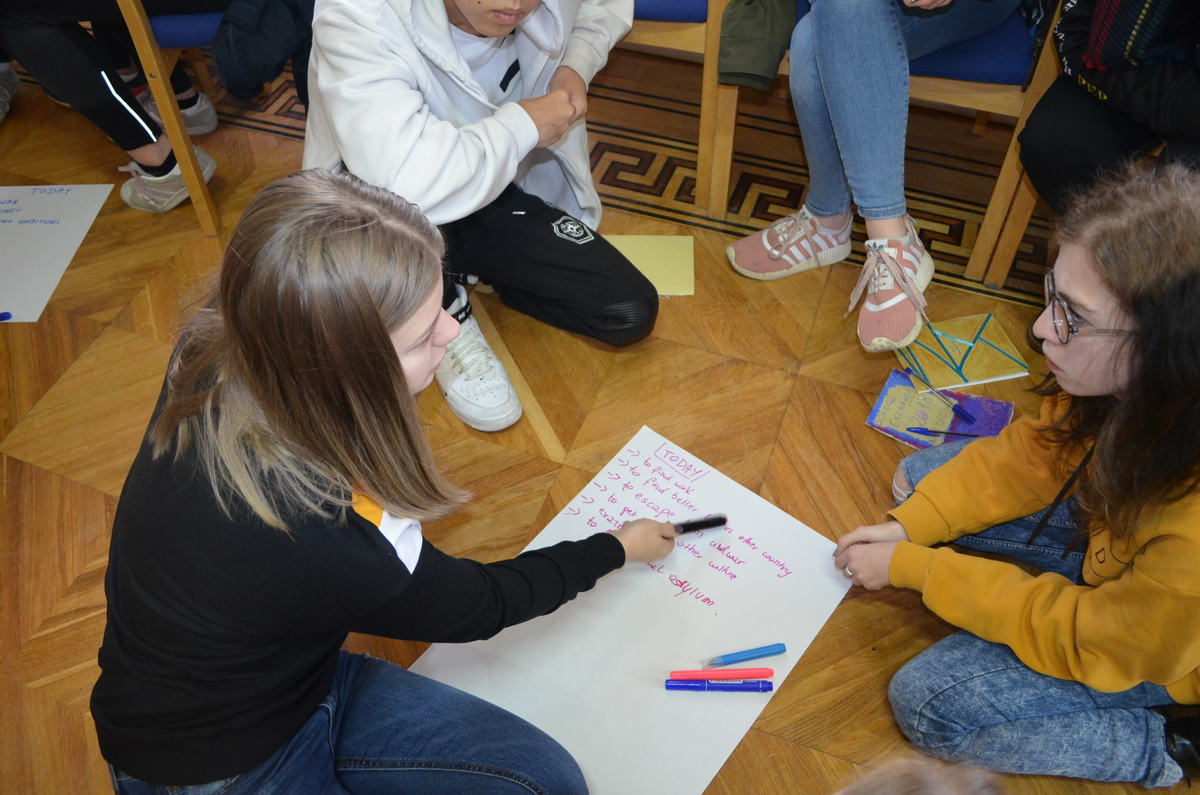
(1066, 322)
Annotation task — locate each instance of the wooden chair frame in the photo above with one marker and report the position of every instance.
(158, 75)
(718, 103)
(1013, 197)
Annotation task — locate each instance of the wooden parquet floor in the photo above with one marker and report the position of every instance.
(762, 379)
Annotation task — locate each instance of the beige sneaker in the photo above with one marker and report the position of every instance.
(159, 194)
(894, 277)
(200, 118)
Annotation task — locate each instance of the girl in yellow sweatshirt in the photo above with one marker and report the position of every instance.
(1057, 672)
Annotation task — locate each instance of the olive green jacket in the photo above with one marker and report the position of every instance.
(754, 36)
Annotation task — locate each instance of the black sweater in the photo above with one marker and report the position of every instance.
(1163, 95)
(223, 634)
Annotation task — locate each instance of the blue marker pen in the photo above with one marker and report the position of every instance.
(748, 654)
(932, 432)
(726, 686)
(5, 316)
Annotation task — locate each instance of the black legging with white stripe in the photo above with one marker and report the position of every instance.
(80, 69)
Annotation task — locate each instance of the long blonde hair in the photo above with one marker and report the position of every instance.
(287, 384)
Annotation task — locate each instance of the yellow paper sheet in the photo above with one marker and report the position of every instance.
(668, 261)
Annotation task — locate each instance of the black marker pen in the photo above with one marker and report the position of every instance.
(692, 525)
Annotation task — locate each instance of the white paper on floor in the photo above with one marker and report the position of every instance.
(592, 673)
(41, 227)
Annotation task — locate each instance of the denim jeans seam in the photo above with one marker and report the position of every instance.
(821, 213)
(900, 207)
(358, 764)
(893, 211)
(922, 715)
(1095, 704)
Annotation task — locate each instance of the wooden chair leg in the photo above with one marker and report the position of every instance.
(1013, 197)
(996, 215)
(1005, 252)
(158, 77)
(714, 160)
(718, 118)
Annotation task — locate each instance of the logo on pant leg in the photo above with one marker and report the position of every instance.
(569, 229)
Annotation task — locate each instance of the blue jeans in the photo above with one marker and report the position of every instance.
(965, 699)
(849, 81)
(382, 729)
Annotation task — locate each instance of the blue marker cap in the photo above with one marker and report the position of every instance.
(722, 685)
(748, 654)
(5, 316)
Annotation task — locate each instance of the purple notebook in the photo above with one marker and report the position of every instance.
(901, 406)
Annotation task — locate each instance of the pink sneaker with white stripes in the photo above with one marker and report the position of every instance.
(792, 244)
(894, 277)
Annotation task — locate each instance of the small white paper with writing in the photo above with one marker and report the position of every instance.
(41, 227)
(591, 674)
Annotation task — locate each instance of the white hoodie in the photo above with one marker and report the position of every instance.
(392, 98)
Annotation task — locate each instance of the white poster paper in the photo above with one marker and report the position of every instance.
(41, 227)
(592, 673)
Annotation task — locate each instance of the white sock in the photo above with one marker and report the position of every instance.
(839, 232)
(909, 238)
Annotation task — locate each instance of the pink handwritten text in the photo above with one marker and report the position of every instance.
(777, 563)
(687, 589)
(679, 462)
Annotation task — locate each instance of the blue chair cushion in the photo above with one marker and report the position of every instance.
(1002, 55)
(671, 10)
(185, 30)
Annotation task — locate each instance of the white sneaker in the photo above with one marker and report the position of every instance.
(159, 194)
(200, 118)
(472, 378)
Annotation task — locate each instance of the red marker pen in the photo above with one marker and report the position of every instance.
(725, 673)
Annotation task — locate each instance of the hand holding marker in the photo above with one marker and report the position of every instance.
(718, 680)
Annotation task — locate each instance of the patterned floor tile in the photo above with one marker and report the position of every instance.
(89, 425)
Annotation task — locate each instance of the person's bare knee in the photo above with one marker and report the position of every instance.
(901, 488)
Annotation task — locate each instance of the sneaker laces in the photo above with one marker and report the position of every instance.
(470, 355)
(139, 186)
(881, 271)
(786, 231)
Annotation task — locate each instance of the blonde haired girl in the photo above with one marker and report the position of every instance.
(241, 557)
